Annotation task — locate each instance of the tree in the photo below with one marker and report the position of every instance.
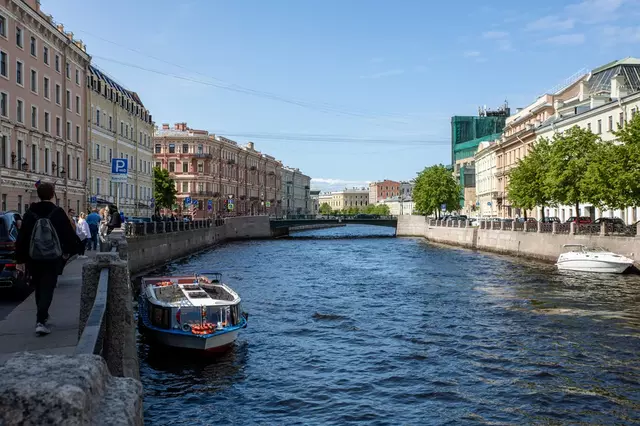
(527, 181)
(165, 189)
(603, 184)
(435, 186)
(382, 210)
(326, 209)
(628, 154)
(570, 155)
(370, 209)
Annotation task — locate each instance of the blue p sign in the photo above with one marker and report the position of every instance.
(119, 166)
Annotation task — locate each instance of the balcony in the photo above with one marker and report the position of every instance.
(204, 156)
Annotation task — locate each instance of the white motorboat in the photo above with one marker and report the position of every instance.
(592, 259)
(191, 312)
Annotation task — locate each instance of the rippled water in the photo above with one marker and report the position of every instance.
(399, 331)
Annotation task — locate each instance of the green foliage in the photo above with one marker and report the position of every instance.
(527, 181)
(382, 210)
(435, 186)
(628, 156)
(570, 155)
(164, 189)
(602, 184)
(326, 209)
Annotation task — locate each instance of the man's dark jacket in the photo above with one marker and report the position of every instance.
(60, 221)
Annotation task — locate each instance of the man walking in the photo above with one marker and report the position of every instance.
(45, 239)
(93, 220)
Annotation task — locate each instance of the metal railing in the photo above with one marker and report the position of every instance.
(139, 229)
(559, 228)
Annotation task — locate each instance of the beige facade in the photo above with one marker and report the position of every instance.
(520, 133)
(354, 197)
(42, 115)
(213, 168)
(486, 181)
(295, 192)
(120, 127)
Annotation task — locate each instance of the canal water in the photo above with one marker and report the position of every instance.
(400, 331)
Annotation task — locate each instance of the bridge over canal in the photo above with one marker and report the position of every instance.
(281, 226)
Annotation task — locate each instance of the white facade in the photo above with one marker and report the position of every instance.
(399, 207)
(295, 192)
(486, 180)
(602, 111)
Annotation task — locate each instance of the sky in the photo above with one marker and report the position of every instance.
(348, 91)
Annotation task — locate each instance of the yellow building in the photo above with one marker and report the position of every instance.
(120, 127)
(354, 197)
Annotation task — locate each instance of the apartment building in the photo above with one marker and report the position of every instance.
(486, 180)
(338, 200)
(296, 198)
(219, 176)
(379, 191)
(120, 127)
(42, 115)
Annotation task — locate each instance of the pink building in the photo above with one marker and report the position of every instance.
(42, 107)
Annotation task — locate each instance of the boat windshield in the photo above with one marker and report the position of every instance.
(595, 249)
(209, 277)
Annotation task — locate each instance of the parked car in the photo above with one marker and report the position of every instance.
(582, 220)
(11, 280)
(551, 219)
(529, 219)
(609, 221)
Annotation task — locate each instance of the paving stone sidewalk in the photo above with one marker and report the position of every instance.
(17, 330)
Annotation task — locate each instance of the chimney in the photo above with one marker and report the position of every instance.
(60, 28)
(557, 104)
(181, 126)
(584, 90)
(618, 89)
(165, 126)
(250, 145)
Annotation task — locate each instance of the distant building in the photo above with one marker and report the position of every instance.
(295, 192)
(379, 191)
(354, 197)
(399, 206)
(487, 192)
(467, 132)
(315, 201)
(406, 189)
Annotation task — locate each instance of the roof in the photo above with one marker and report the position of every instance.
(628, 68)
(102, 75)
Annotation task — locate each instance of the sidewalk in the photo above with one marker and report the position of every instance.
(17, 331)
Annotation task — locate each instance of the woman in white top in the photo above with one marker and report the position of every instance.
(83, 232)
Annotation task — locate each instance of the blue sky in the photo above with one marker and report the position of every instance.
(377, 80)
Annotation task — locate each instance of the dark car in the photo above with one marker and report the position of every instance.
(610, 221)
(551, 219)
(11, 280)
(529, 219)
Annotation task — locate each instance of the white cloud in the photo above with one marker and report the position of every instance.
(471, 54)
(330, 184)
(612, 35)
(495, 34)
(550, 22)
(595, 11)
(566, 39)
(384, 74)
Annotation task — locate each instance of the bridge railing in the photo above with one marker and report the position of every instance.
(140, 229)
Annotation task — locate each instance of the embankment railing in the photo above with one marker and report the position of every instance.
(138, 229)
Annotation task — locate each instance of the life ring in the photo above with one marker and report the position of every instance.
(186, 327)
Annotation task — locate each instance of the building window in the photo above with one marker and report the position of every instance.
(185, 187)
(58, 94)
(46, 88)
(34, 81)
(46, 160)
(45, 55)
(33, 47)
(185, 148)
(57, 60)
(68, 105)
(77, 134)
(3, 104)
(610, 122)
(97, 152)
(172, 167)
(599, 127)
(77, 76)
(47, 123)
(68, 71)
(200, 168)
(34, 165)
(158, 148)
(19, 37)
(19, 111)
(110, 154)
(110, 122)
(172, 148)
(121, 128)
(19, 73)
(34, 117)
(126, 131)
(4, 68)
(3, 32)
(97, 117)
(78, 169)
(622, 119)
(77, 104)
(185, 167)
(97, 185)
(58, 125)
(68, 134)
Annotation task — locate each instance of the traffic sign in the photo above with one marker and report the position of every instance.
(230, 206)
(194, 202)
(268, 204)
(209, 205)
(119, 170)
(443, 207)
(187, 200)
(94, 199)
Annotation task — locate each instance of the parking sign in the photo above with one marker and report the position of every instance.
(119, 170)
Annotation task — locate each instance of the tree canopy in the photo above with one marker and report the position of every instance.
(527, 188)
(435, 186)
(325, 209)
(164, 189)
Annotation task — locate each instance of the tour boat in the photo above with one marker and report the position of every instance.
(191, 312)
(597, 259)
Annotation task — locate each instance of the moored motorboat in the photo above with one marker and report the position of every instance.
(592, 259)
(192, 312)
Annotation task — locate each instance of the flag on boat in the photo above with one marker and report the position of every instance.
(38, 183)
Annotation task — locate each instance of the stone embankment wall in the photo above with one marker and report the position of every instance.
(155, 249)
(543, 246)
